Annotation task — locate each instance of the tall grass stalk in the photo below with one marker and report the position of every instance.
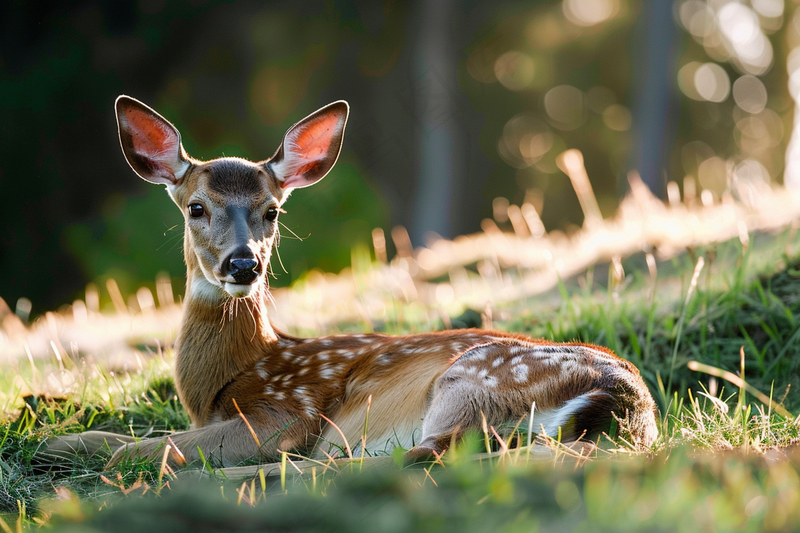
(679, 330)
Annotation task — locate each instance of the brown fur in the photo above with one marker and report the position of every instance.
(420, 389)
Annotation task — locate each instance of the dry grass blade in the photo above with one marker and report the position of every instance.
(503, 446)
(429, 476)
(326, 466)
(164, 468)
(344, 439)
(739, 382)
(247, 423)
(181, 459)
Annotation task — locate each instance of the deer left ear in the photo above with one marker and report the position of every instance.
(311, 147)
(150, 143)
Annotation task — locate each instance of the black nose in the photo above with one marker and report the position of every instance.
(243, 267)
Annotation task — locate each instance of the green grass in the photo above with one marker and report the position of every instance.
(722, 493)
(725, 461)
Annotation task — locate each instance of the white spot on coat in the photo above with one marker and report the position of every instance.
(327, 372)
(300, 394)
(520, 373)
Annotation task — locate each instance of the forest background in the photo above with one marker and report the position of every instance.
(454, 104)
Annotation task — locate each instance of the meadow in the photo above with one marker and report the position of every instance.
(704, 299)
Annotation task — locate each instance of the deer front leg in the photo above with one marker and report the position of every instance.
(225, 443)
(87, 443)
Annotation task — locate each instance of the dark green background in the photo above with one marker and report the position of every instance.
(234, 76)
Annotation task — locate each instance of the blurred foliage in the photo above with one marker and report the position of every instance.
(698, 90)
(705, 494)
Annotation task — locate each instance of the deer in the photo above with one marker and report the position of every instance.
(253, 392)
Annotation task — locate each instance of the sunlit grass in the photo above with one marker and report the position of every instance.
(725, 459)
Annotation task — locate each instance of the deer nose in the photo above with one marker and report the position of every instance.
(243, 267)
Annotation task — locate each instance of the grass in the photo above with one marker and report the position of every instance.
(725, 460)
(705, 494)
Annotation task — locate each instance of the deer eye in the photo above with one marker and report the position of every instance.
(196, 210)
(272, 214)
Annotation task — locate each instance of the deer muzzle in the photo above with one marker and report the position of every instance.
(240, 271)
(243, 270)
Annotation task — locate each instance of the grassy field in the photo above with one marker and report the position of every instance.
(696, 324)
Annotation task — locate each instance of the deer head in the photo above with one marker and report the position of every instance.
(230, 205)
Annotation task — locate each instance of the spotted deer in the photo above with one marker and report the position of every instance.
(252, 391)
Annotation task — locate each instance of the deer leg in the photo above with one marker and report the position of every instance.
(476, 392)
(225, 443)
(458, 405)
(87, 443)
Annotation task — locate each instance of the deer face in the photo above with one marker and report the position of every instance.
(230, 205)
(231, 211)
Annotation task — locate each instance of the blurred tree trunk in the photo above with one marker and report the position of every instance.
(438, 146)
(655, 106)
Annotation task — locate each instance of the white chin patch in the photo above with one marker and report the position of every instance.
(201, 289)
(237, 290)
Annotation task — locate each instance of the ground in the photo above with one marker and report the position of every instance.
(713, 326)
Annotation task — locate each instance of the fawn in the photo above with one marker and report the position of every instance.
(252, 391)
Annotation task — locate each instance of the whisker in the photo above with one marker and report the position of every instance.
(173, 241)
(278, 253)
(252, 316)
(270, 297)
(224, 307)
(295, 235)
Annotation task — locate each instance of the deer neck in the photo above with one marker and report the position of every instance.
(219, 338)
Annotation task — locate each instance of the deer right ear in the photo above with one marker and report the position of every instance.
(311, 147)
(150, 143)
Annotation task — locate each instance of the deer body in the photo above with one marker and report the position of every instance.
(422, 390)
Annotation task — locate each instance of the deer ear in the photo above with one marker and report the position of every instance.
(150, 143)
(311, 147)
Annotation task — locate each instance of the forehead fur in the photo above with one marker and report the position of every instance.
(236, 177)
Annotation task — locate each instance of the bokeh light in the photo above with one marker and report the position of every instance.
(760, 132)
(698, 18)
(617, 117)
(712, 82)
(525, 140)
(566, 107)
(748, 45)
(686, 80)
(750, 94)
(750, 172)
(590, 12)
(713, 174)
(768, 8)
(515, 70)
(533, 146)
